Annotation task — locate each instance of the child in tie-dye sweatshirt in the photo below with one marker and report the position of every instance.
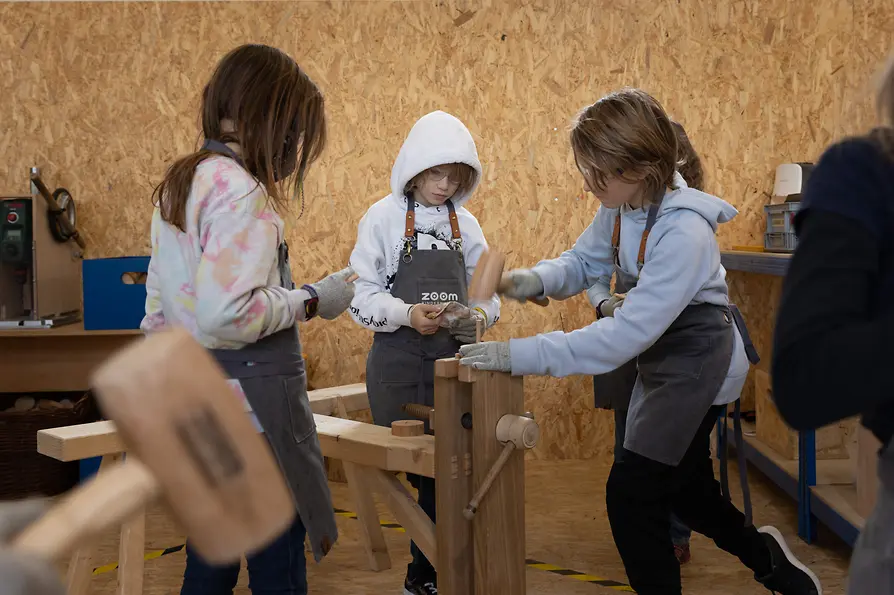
(220, 269)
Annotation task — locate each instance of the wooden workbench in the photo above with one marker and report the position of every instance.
(59, 359)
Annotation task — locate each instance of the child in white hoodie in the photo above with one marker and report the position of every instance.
(657, 236)
(416, 249)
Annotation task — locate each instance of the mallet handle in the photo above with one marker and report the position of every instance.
(88, 511)
(472, 508)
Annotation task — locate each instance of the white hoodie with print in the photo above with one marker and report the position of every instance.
(436, 139)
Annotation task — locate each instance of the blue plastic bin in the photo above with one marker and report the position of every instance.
(88, 468)
(109, 303)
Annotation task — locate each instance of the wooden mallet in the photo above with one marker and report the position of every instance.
(188, 439)
(487, 278)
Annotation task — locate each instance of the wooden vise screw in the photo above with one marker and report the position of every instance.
(513, 431)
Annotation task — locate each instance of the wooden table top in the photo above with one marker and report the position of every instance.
(75, 329)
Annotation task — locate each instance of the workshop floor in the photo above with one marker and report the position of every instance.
(567, 528)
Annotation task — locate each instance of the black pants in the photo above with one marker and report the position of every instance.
(420, 569)
(642, 493)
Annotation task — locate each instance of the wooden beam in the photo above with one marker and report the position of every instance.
(359, 484)
(343, 439)
(498, 530)
(324, 401)
(375, 446)
(453, 470)
(406, 510)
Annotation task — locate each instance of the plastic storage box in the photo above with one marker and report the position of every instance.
(114, 292)
(780, 233)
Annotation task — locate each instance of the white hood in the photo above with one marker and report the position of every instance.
(436, 139)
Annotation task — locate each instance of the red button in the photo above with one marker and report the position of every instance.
(12, 217)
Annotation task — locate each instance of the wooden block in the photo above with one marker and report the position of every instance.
(867, 470)
(498, 529)
(446, 368)
(80, 566)
(324, 400)
(406, 510)
(131, 550)
(407, 427)
(343, 439)
(467, 374)
(362, 494)
(454, 486)
(771, 429)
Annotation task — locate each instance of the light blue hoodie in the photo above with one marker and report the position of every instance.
(682, 267)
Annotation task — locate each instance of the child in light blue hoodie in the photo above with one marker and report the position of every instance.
(656, 235)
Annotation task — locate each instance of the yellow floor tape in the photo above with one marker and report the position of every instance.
(531, 563)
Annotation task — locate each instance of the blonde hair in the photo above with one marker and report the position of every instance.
(627, 135)
(463, 172)
(884, 105)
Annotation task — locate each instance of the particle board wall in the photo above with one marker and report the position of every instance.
(103, 95)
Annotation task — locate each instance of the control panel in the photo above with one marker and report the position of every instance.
(15, 231)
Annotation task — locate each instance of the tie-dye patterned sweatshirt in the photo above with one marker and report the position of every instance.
(220, 279)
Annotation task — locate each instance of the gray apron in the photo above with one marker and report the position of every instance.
(400, 366)
(677, 379)
(272, 374)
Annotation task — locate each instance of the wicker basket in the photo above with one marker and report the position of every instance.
(25, 472)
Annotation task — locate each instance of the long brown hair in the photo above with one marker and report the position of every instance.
(278, 120)
(689, 164)
(626, 134)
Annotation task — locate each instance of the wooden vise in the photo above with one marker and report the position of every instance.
(484, 552)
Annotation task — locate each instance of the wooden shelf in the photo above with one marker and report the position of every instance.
(836, 507)
(75, 329)
(766, 263)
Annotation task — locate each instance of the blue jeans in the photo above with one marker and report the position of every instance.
(680, 533)
(279, 569)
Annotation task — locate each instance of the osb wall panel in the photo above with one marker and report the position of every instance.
(102, 96)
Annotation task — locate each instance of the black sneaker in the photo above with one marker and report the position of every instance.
(789, 575)
(426, 586)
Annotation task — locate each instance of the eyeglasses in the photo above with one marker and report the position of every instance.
(436, 174)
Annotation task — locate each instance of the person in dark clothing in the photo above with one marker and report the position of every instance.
(836, 318)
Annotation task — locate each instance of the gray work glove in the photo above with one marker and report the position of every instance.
(21, 573)
(490, 355)
(521, 285)
(335, 293)
(608, 307)
(463, 329)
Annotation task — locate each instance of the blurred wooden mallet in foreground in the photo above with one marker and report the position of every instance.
(189, 440)
(488, 278)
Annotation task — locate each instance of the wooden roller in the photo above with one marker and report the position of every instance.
(486, 280)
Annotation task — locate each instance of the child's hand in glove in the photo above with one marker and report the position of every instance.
(486, 356)
(608, 307)
(464, 329)
(21, 573)
(521, 285)
(335, 293)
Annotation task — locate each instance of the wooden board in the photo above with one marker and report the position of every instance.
(867, 471)
(831, 441)
(453, 469)
(344, 439)
(498, 530)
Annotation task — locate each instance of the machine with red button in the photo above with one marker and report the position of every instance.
(40, 258)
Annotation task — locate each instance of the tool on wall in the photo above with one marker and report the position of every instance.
(40, 258)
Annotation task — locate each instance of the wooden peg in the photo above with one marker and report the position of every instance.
(407, 427)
